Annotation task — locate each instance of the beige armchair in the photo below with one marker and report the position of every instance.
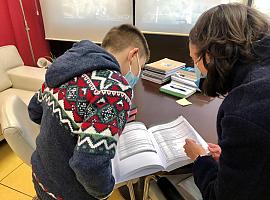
(18, 129)
(16, 78)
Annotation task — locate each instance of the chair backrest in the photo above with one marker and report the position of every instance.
(9, 58)
(18, 129)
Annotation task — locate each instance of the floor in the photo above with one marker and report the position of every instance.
(15, 177)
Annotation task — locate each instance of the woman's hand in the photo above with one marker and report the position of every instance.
(215, 150)
(193, 150)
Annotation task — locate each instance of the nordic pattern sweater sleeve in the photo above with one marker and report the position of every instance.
(103, 120)
(35, 109)
(240, 165)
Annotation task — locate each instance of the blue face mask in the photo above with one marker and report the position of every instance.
(199, 75)
(131, 78)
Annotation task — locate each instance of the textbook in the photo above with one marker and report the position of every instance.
(142, 151)
(153, 79)
(178, 89)
(132, 113)
(133, 110)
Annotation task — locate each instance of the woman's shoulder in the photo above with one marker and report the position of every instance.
(255, 87)
(249, 101)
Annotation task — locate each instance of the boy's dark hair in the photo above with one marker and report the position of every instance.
(227, 34)
(123, 36)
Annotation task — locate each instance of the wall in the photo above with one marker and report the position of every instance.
(6, 32)
(13, 29)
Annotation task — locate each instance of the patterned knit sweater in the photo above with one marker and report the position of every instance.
(82, 112)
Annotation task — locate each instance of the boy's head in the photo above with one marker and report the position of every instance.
(129, 46)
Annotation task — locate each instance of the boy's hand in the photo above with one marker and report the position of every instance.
(215, 150)
(193, 150)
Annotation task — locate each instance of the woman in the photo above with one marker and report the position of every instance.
(230, 44)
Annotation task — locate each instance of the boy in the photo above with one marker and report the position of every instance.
(82, 109)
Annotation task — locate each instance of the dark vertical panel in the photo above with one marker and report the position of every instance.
(173, 47)
(161, 46)
(59, 47)
(133, 12)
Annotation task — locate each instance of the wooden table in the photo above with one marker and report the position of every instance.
(155, 108)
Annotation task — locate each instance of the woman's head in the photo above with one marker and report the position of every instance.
(222, 36)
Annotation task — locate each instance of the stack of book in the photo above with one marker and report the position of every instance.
(161, 71)
(132, 113)
(182, 84)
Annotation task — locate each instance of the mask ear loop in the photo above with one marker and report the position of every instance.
(197, 61)
(138, 60)
(129, 66)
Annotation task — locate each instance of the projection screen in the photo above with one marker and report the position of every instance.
(74, 20)
(175, 17)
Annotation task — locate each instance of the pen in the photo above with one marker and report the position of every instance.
(177, 88)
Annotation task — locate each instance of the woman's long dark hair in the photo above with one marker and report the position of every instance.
(225, 34)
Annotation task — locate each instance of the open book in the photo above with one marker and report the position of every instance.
(142, 152)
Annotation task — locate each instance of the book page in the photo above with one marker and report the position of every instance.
(171, 137)
(136, 153)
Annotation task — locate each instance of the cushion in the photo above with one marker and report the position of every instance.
(27, 78)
